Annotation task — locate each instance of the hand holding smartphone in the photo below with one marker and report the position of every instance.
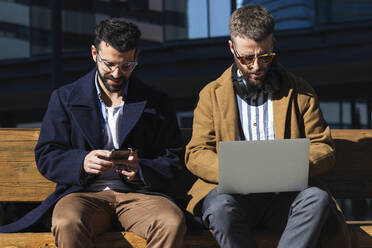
(127, 162)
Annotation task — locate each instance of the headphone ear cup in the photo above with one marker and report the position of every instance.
(240, 85)
(243, 88)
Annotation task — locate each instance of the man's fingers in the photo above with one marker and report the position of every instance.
(92, 169)
(130, 175)
(132, 155)
(98, 167)
(124, 168)
(96, 172)
(128, 166)
(102, 153)
(102, 162)
(96, 162)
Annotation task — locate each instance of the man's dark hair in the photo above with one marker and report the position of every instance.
(118, 33)
(254, 22)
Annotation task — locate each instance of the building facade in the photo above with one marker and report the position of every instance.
(46, 43)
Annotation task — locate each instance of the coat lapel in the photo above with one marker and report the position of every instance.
(133, 108)
(83, 104)
(281, 101)
(131, 114)
(280, 107)
(227, 106)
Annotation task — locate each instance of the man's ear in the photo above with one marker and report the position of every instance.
(137, 52)
(94, 52)
(231, 47)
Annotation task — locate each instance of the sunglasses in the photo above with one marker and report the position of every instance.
(249, 59)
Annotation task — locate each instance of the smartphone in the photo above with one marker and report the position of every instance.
(122, 154)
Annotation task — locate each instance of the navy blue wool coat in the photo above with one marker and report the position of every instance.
(73, 126)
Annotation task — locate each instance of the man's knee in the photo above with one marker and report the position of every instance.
(217, 203)
(166, 229)
(169, 221)
(219, 210)
(66, 222)
(316, 199)
(319, 196)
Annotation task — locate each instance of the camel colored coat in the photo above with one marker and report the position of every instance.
(296, 115)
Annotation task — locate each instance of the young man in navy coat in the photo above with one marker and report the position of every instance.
(104, 110)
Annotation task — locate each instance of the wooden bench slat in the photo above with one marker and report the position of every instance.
(30, 240)
(350, 179)
(26, 240)
(364, 236)
(24, 192)
(19, 134)
(21, 172)
(21, 151)
(27, 183)
(353, 148)
(128, 239)
(351, 134)
(123, 240)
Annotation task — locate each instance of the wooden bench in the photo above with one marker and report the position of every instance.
(20, 181)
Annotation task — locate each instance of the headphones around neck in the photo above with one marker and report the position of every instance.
(246, 90)
(241, 86)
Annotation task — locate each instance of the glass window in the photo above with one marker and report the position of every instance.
(220, 12)
(202, 19)
(40, 19)
(185, 119)
(26, 26)
(331, 112)
(175, 20)
(197, 19)
(361, 108)
(14, 29)
(289, 14)
(344, 11)
(78, 21)
(346, 114)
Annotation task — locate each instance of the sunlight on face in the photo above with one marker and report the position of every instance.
(256, 72)
(113, 78)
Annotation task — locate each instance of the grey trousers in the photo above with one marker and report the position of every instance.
(299, 216)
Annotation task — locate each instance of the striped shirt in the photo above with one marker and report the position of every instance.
(256, 117)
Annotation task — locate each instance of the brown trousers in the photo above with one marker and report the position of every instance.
(79, 217)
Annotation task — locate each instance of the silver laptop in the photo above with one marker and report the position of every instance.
(263, 166)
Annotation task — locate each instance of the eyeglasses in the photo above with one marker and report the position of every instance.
(111, 66)
(249, 59)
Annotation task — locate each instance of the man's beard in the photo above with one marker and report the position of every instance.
(246, 75)
(113, 88)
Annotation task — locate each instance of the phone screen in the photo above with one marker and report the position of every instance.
(120, 154)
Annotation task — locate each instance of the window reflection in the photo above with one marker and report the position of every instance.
(25, 26)
(290, 14)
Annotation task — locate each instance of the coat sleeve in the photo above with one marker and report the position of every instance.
(55, 157)
(322, 151)
(201, 155)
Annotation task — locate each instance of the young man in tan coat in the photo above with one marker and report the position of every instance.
(257, 99)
